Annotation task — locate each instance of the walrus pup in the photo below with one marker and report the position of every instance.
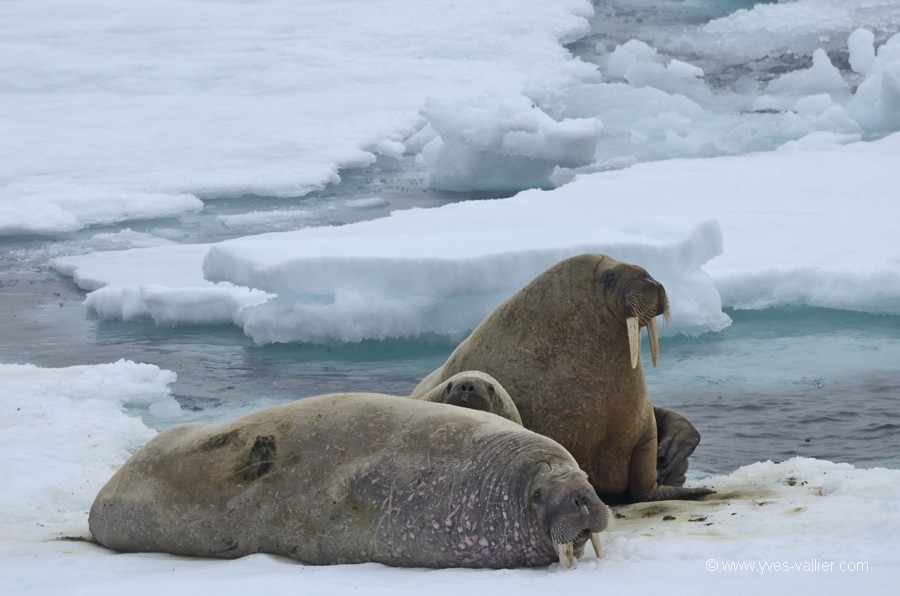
(476, 390)
(353, 478)
(566, 347)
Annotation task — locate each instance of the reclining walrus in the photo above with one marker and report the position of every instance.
(353, 478)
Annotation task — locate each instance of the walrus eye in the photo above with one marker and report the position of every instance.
(490, 389)
(449, 387)
(608, 278)
(537, 496)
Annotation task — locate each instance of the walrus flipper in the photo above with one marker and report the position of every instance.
(664, 492)
(677, 440)
(642, 484)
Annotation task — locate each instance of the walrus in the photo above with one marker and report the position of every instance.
(476, 390)
(353, 478)
(566, 347)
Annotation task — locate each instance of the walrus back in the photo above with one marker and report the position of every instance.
(344, 478)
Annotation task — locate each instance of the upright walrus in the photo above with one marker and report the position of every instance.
(352, 478)
(566, 348)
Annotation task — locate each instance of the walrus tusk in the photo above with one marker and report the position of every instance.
(566, 554)
(654, 340)
(595, 542)
(634, 339)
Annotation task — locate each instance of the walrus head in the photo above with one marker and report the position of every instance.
(469, 392)
(569, 512)
(638, 299)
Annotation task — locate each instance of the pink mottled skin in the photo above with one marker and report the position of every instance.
(352, 478)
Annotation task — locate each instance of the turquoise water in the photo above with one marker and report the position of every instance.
(776, 383)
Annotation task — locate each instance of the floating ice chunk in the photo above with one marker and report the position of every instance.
(271, 217)
(366, 203)
(876, 104)
(821, 77)
(390, 148)
(162, 283)
(647, 123)
(124, 239)
(502, 143)
(172, 306)
(684, 70)
(627, 55)
(824, 115)
(861, 45)
(789, 28)
(642, 66)
(405, 276)
(813, 105)
(808, 286)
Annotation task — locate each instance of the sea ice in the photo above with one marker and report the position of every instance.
(861, 45)
(802, 525)
(125, 111)
(642, 66)
(777, 238)
(502, 143)
(876, 104)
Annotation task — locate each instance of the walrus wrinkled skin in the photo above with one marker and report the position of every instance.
(566, 348)
(475, 390)
(353, 478)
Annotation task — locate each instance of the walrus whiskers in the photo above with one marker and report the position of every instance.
(644, 307)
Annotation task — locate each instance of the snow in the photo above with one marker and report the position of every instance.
(502, 143)
(68, 431)
(861, 45)
(158, 283)
(801, 525)
(732, 222)
(117, 113)
(113, 112)
(749, 231)
(131, 110)
(797, 27)
(745, 232)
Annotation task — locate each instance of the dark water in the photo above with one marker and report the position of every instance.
(777, 383)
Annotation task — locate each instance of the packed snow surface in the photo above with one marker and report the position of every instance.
(136, 110)
(802, 525)
(130, 110)
(124, 111)
(810, 224)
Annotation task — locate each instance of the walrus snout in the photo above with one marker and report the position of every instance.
(570, 514)
(645, 300)
(472, 394)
